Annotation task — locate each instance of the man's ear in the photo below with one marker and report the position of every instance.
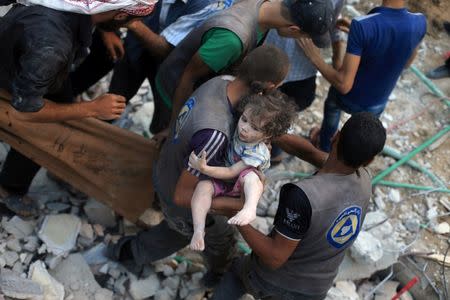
(121, 16)
(295, 29)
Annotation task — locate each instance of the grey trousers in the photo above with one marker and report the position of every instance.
(241, 279)
(162, 240)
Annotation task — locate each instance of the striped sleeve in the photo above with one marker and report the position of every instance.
(212, 141)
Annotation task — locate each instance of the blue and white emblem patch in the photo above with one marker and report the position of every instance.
(345, 227)
(182, 117)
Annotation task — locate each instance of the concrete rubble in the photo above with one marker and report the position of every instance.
(59, 233)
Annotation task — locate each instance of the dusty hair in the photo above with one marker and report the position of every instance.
(275, 111)
(264, 65)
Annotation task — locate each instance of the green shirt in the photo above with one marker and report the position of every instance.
(220, 48)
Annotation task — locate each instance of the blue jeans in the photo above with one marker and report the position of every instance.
(241, 279)
(332, 115)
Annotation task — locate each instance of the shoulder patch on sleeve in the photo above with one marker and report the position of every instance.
(345, 227)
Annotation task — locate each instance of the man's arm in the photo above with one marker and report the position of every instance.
(341, 79)
(105, 107)
(195, 70)
(273, 251)
(302, 148)
(155, 43)
(413, 56)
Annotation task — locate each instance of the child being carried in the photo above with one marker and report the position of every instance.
(263, 118)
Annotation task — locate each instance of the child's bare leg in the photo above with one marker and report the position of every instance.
(200, 205)
(253, 189)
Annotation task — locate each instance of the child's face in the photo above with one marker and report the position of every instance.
(249, 130)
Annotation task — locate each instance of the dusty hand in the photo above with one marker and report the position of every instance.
(134, 24)
(108, 106)
(113, 44)
(160, 137)
(311, 51)
(344, 24)
(198, 162)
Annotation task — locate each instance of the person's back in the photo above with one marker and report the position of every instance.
(338, 207)
(385, 39)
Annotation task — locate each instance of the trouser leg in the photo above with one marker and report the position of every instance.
(229, 288)
(129, 75)
(18, 172)
(156, 243)
(330, 123)
(219, 243)
(96, 65)
(303, 92)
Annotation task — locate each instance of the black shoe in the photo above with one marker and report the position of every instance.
(122, 253)
(211, 279)
(439, 72)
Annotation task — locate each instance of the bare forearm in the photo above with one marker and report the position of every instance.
(156, 44)
(302, 148)
(227, 206)
(334, 77)
(56, 112)
(260, 244)
(338, 54)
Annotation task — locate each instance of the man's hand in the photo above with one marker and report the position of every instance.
(344, 24)
(311, 50)
(113, 44)
(198, 162)
(108, 106)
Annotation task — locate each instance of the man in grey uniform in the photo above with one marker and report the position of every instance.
(317, 219)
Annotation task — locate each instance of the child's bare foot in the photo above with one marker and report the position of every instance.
(244, 217)
(197, 241)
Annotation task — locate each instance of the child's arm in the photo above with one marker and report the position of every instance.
(199, 163)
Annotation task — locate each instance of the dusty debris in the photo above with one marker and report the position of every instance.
(99, 213)
(53, 290)
(59, 232)
(14, 286)
(144, 288)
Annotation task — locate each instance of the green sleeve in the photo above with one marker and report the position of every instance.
(220, 48)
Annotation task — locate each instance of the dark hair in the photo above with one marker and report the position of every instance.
(275, 110)
(361, 138)
(265, 64)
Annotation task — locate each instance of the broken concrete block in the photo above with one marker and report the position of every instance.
(99, 230)
(172, 282)
(442, 228)
(151, 217)
(53, 290)
(165, 294)
(394, 196)
(98, 213)
(196, 294)
(374, 218)
(76, 276)
(16, 287)
(14, 245)
(343, 290)
(18, 227)
(96, 255)
(59, 233)
(141, 289)
(366, 249)
(58, 207)
(31, 243)
(412, 224)
(87, 231)
(103, 294)
(10, 257)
